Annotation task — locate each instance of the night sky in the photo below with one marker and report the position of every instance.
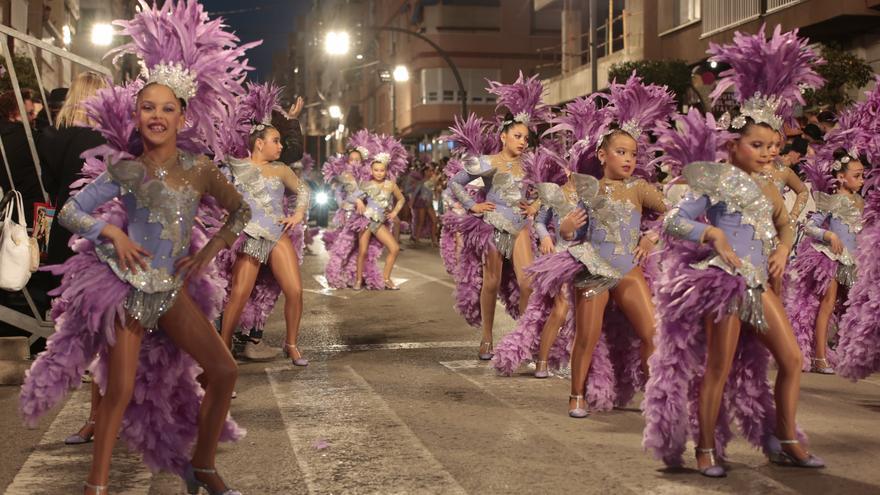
(267, 20)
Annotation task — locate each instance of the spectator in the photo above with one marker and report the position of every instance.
(814, 133)
(60, 149)
(291, 132)
(18, 152)
(826, 121)
(53, 106)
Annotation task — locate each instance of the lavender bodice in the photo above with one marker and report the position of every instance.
(504, 190)
(840, 214)
(265, 196)
(160, 215)
(748, 212)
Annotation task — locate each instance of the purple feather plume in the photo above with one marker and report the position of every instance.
(778, 67)
(695, 138)
(523, 99)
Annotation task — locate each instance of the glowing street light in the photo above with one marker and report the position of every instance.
(337, 42)
(102, 34)
(401, 74)
(335, 112)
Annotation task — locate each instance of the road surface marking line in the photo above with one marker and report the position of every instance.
(52, 464)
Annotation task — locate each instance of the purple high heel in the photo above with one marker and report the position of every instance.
(300, 361)
(578, 412)
(193, 485)
(486, 356)
(77, 439)
(780, 457)
(714, 470)
(541, 369)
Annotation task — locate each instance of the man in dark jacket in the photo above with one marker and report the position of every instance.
(18, 153)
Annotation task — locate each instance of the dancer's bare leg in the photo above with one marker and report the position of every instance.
(418, 221)
(589, 312)
(554, 322)
(633, 297)
(121, 372)
(435, 226)
(780, 341)
(191, 331)
(826, 308)
(363, 245)
(244, 275)
(523, 256)
(387, 240)
(285, 268)
(492, 266)
(721, 340)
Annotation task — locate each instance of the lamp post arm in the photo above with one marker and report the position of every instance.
(441, 52)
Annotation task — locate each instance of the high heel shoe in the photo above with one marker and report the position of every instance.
(541, 369)
(578, 412)
(389, 285)
(98, 489)
(486, 356)
(193, 484)
(358, 285)
(713, 470)
(77, 439)
(300, 361)
(778, 456)
(821, 366)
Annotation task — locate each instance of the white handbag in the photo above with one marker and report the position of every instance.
(17, 248)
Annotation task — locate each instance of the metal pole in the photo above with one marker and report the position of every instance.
(440, 51)
(594, 52)
(393, 107)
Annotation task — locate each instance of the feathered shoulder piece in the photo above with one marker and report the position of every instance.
(473, 136)
(181, 48)
(523, 99)
(767, 75)
(307, 163)
(388, 150)
(111, 109)
(694, 138)
(334, 167)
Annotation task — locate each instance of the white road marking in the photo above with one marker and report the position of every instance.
(331, 422)
(391, 346)
(427, 277)
(758, 483)
(57, 468)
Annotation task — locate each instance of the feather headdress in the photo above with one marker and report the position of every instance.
(523, 99)
(388, 150)
(361, 141)
(183, 49)
(637, 108)
(767, 76)
(857, 131)
(694, 138)
(578, 127)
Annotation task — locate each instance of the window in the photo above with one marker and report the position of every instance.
(676, 13)
(721, 15)
(439, 85)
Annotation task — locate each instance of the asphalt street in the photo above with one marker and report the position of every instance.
(395, 401)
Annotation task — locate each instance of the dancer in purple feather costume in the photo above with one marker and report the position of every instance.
(262, 181)
(825, 267)
(113, 291)
(858, 347)
(705, 296)
(388, 160)
(505, 210)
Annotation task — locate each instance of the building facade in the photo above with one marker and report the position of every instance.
(484, 39)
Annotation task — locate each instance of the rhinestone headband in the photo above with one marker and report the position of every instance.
(630, 127)
(181, 81)
(761, 109)
(520, 118)
(382, 158)
(365, 153)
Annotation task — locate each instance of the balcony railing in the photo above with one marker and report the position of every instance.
(721, 15)
(774, 5)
